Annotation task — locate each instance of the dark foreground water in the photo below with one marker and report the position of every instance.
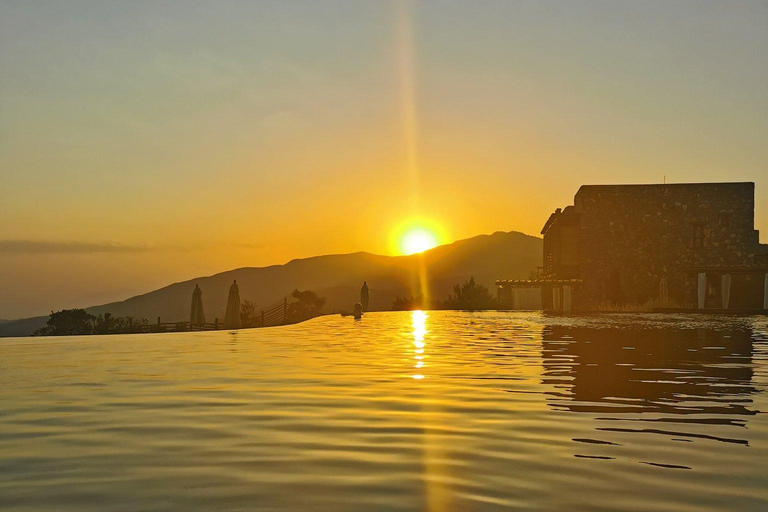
(437, 411)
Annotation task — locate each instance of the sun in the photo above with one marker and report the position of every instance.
(416, 235)
(417, 239)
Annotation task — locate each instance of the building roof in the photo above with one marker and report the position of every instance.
(567, 213)
(632, 186)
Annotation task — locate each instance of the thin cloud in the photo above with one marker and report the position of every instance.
(72, 247)
(52, 247)
(250, 246)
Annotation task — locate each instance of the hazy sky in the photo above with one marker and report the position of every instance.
(143, 143)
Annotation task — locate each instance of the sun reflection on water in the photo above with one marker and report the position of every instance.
(419, 323)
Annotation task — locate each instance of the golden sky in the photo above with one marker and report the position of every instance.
(143, 143)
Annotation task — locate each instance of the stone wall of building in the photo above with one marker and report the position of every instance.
(633, 235)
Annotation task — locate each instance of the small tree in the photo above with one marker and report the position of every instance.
(129, 325)
(76, 321)
(470, 295)
(108, 324)
(407, 303)
(248, 317)
(105, 324)
(68, 322)
(307, 305)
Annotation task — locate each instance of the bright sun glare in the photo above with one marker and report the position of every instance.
(417, 239)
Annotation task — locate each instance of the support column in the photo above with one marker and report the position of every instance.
(566, 298)
(663, 290)
(702, 289)
(515, 299)
(556, 305)
(725, 289)
(765, 292)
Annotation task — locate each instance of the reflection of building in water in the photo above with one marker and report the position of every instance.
(669, 372)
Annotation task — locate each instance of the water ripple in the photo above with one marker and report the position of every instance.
(436, 411)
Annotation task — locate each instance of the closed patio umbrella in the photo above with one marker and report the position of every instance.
(232, 316)
(196, 315)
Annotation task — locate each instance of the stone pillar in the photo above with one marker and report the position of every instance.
(765, 292)
(663, 290)
(515, 299)
(725, 289)
(556, 306)
(566, 298)
(702, 290)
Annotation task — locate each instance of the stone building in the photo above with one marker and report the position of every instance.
(684, 245)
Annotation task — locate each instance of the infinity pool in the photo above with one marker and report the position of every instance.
(432, 411)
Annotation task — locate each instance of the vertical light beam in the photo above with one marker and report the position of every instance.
(407, 91)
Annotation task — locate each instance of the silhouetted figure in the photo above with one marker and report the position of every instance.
(232, 317)
(196, 315)
(358, 311)
(364, 296)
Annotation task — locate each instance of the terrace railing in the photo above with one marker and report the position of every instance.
(275, 314)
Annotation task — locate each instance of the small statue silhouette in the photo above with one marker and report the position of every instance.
(364, 296)
(358, 311)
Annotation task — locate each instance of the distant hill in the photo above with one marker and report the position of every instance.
(336, 277)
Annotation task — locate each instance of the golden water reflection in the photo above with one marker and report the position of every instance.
(419, 324)
(431, 411)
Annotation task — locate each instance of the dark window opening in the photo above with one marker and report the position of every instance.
(701, 236)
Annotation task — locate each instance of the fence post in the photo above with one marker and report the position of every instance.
(262, 318)
(285, 310)
(158, 321)
(216, 324)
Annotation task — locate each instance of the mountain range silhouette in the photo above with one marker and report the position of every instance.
(337, 277)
